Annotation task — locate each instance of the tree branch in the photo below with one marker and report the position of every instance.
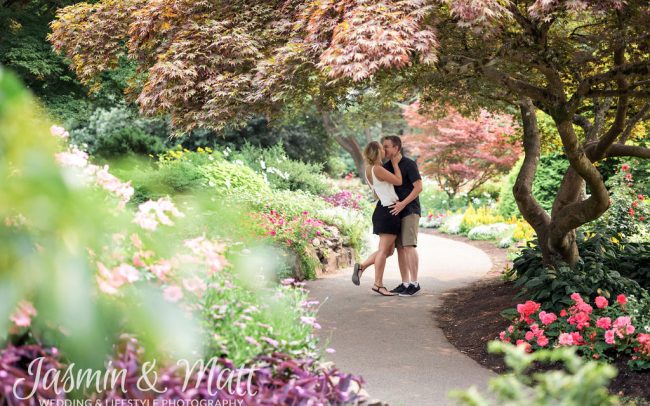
(529, 207)
(628, 150)
(640, 116)
(621, 108)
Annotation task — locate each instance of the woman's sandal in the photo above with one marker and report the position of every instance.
(379, 288)
(356, 274)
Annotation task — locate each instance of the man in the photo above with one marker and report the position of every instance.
(408, 208)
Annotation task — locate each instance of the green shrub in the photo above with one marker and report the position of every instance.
(580, 383)
(507, 206)
(282, 172)
(604, 269)
(118, 131)
(232, 178)
(550, 171)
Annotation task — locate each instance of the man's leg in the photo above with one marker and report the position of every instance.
(409, 242)
(403, 261)
(410, 255)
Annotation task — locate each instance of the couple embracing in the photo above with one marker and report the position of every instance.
(397, 184)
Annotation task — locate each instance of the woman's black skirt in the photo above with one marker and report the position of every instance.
(383, 222)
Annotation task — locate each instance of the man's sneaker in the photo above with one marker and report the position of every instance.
(399, 289)
(411, 290)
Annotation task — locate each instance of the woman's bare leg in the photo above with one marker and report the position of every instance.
(371, 259)
(386, 247)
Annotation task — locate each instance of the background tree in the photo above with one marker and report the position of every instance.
(462, 153)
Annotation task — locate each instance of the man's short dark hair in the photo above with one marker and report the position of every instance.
(397, 141)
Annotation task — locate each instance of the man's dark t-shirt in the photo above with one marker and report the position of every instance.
(410, 174)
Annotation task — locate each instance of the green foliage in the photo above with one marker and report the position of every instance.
(579, 383)
(45, 257)
(550, 171)
(639, 168)
(507, 205)
(628, 213)
(25, 50)
(433, 200)
(605, 268)
(282, 172)
(118, 131)
(301, 136)
(236, 317)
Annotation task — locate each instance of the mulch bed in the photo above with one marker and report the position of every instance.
(469, 318)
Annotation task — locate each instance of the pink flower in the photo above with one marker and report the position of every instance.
(527, 309)
(161, 269)
(330, 350)
(576, 297)
(621, 299)
(622, 322)
(577, 338)
(601, 302)
(195, 285)
(137, 260)
(271, 341)
(59, 132)
(22, 317)
(609, 337)
(251, 340)
(542, 341)
(311, 321)
(625, 167)
(547, 318)
(136, 241)
(127, 273)
(581, 320)
(173, 293)
(563, 313)
(530, 335)
(511, 329)
(584, 307)
(565, 339)
(526, 346)
(604, 323)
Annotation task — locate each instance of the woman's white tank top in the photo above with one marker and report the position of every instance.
(384, 190)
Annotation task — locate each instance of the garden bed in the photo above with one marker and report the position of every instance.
(469, 319)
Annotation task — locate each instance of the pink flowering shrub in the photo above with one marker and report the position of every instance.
(345, 198)
(599, 332)
(296, 233)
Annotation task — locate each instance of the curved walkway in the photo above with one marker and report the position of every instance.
(393, 342)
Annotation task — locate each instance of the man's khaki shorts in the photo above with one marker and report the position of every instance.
(408, 235)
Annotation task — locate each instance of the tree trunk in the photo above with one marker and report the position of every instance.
(557, 232)
(348, 143)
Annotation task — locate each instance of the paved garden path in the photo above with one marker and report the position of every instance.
(393, 342)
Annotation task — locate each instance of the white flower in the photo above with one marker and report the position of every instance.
(263, 164)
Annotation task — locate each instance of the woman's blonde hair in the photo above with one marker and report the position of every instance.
(371, 152)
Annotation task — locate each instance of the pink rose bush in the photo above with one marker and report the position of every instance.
(603, 331)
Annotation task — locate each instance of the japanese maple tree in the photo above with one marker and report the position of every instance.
(461, 153)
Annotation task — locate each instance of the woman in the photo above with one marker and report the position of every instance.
(386, 225)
